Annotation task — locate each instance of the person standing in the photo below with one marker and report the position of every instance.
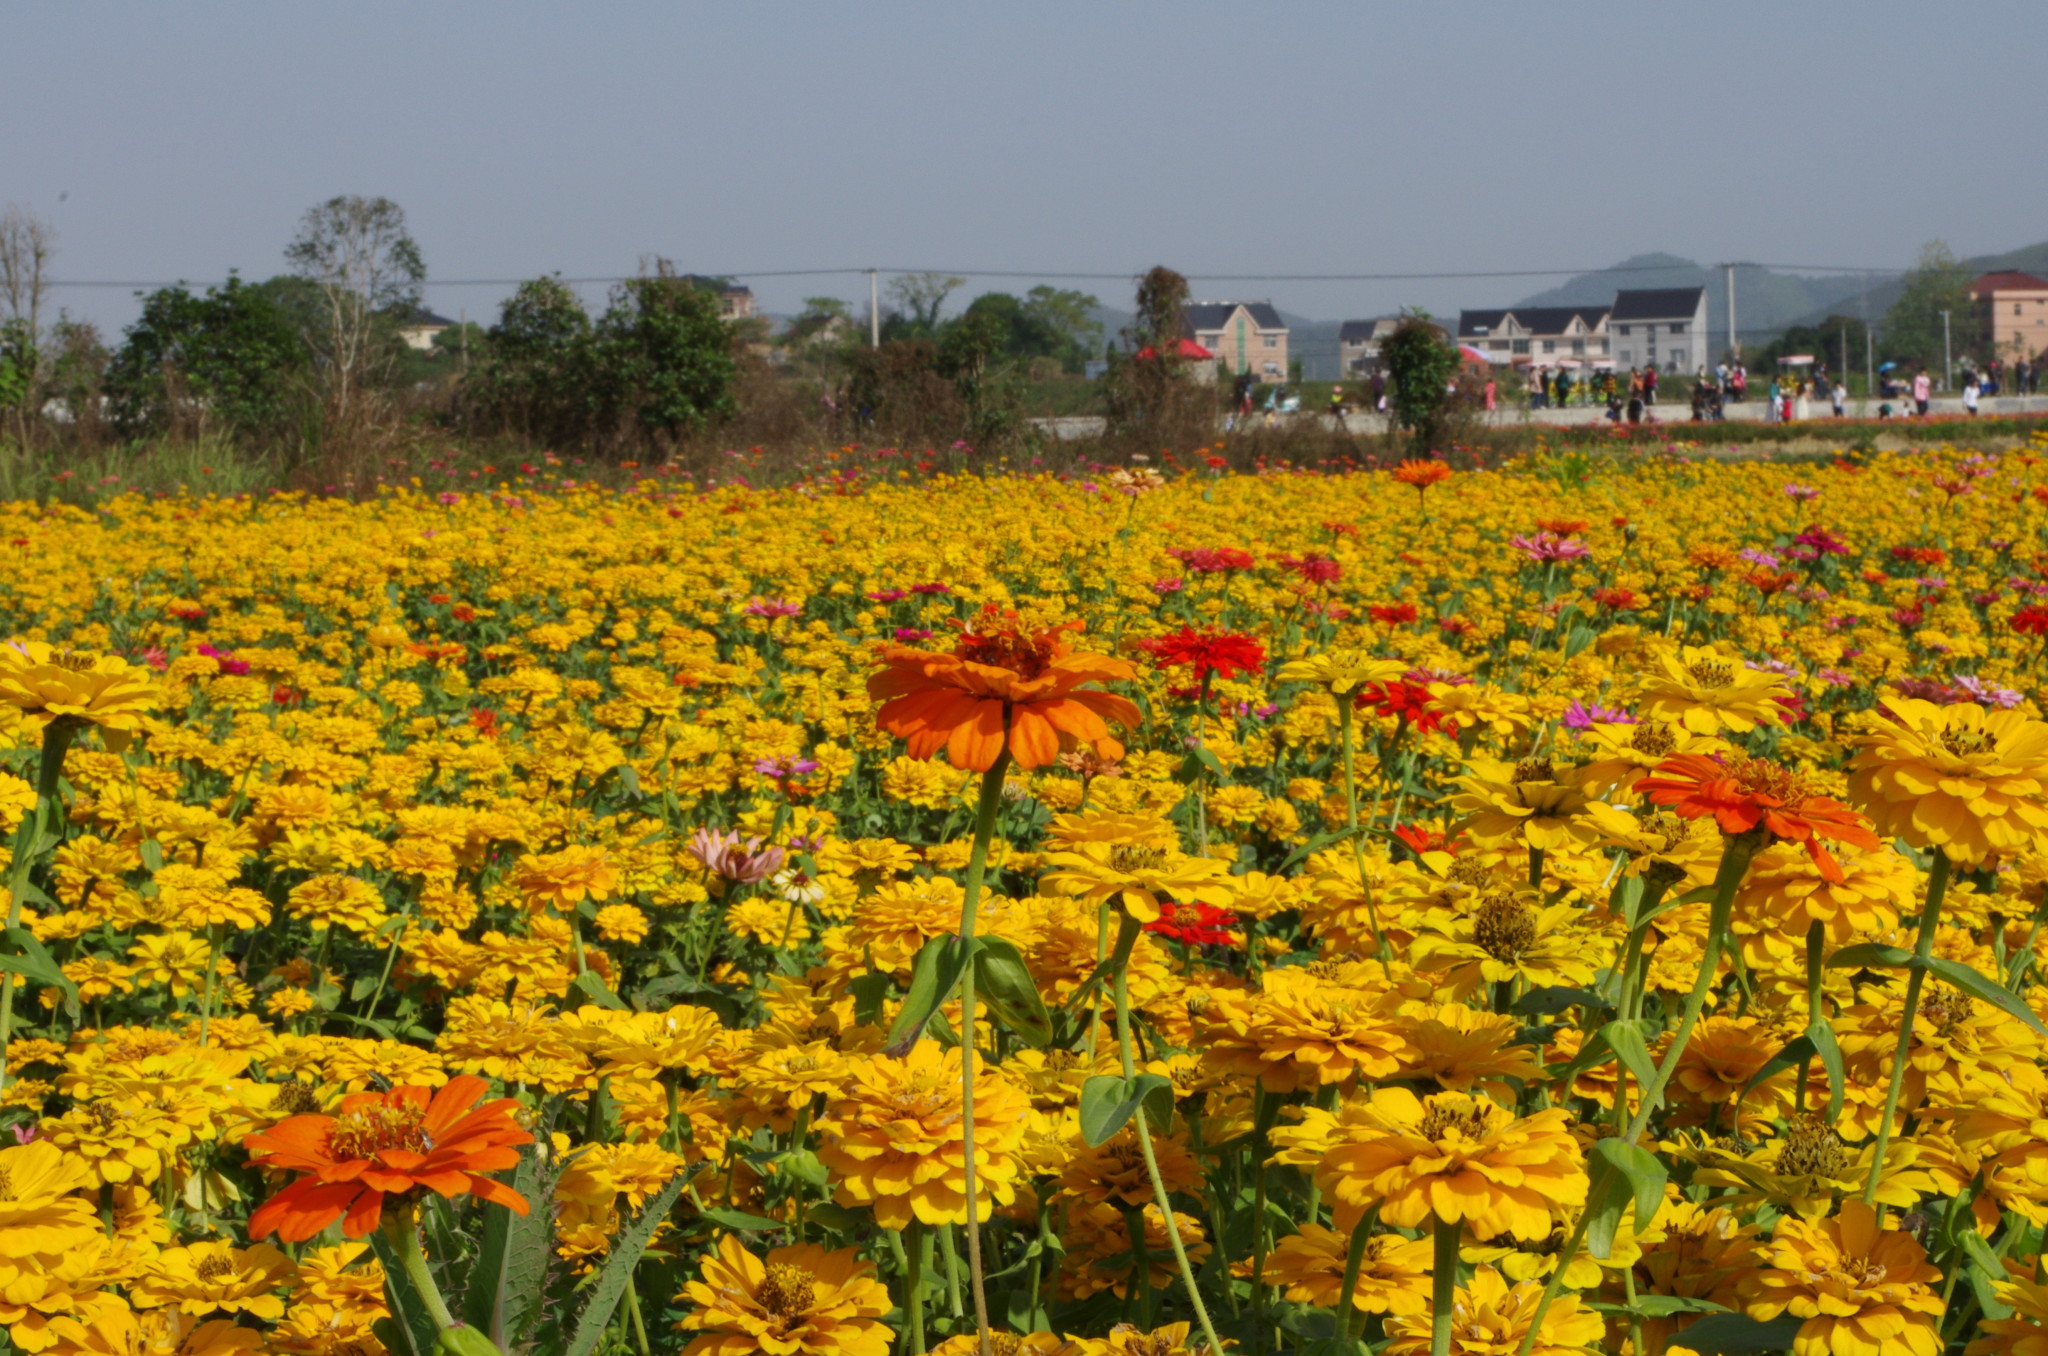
(1801, 410)
(1922, 389)
(1491, 394)
(1971, 391)
(1378, 388)
(1837, 394)
(1649, 384)
(1337, 405)
(1564, 387)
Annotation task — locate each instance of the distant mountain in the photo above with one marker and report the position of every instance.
(1878, 299)
(1766, 301)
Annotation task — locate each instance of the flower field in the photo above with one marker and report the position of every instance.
(1512, 912)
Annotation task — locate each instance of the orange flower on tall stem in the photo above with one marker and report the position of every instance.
(1742, 793)
(1422, 475)
(1001, 682)
(401, 1143)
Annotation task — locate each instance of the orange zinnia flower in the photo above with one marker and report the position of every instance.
(1001, 682)
(1743, 793)
(378, 1144)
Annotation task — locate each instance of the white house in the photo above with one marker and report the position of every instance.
(1662, 325)
(1358, 344)
(419, 328)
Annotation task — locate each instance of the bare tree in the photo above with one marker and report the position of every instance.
(27, 243)
(922, 295)
(358, 252)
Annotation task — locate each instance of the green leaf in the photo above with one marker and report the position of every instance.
(1552, 999)
(1621, 1173)
(1662, 1306)
(1870, 956)
(739, 1221)
(32, 961)
(411, 1323)
(1004, 982)
(618, 1269)
(152, 855)
(1818, 1042)
(868, 992)
(1740, 1335)
(1313, 846)
(502, 1289)
(803, 1166)
(1985, 1269)
(1977, 985)
(932, 979)
(1108, 1102)
(1600, 1047)
(592, 986)
(1198, 762)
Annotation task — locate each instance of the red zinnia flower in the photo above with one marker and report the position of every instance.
(1392, 614)
(1211, 559)
(2031, 620)
(1225, 654)
(1196, 924)
(404, 1142)
(1403, 699)
(1745, 792)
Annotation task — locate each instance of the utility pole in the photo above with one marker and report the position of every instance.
(1734, 342)
(1842, 375)
(1948, 362)
(1869, 363)
(874, 309)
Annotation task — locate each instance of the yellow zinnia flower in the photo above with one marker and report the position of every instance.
(799, 1301)
(1490, 1318)
(1971, 782)
(1862, 1290)
(1707, 692)
(102, 690)
(1450, 1157)
(1137, 877)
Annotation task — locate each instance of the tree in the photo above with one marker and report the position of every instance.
(1421, 364)
(27, 243)
(1912, 331)
(1150, 396)
(358, 252)
(1070, 314)
(538, 376)
(922, 296)
(664, 356)
(229, 357)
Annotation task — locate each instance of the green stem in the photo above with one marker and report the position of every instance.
(1354, 1262)
(951, 1253)
(977, 867)
(57, 737)
(1127, 938)
(1444, 1287)
(1372, 912)
(639, 1321)
(401, 1231)
(913, 1284)
(1735, 854)
(1923, 947)
(1816, 938)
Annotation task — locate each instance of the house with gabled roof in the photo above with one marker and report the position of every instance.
(1666, 326)
(1538, 336)
(1246, 337)
(1358, 344)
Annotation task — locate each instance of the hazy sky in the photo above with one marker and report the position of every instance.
(181, 140)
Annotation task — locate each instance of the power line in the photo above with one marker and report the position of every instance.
(1442, 276)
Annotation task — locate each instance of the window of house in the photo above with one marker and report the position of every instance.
(1272, 341)
(1678, 328)
(1624, 331)
(1550, 345)
(1519, 346)
(1578, 346)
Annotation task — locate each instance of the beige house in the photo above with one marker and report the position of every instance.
(1245, 336)
(735, 302)
(2012, 315)
(1539, 336)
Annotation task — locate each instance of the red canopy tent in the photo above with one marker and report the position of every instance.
(1182, 348)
